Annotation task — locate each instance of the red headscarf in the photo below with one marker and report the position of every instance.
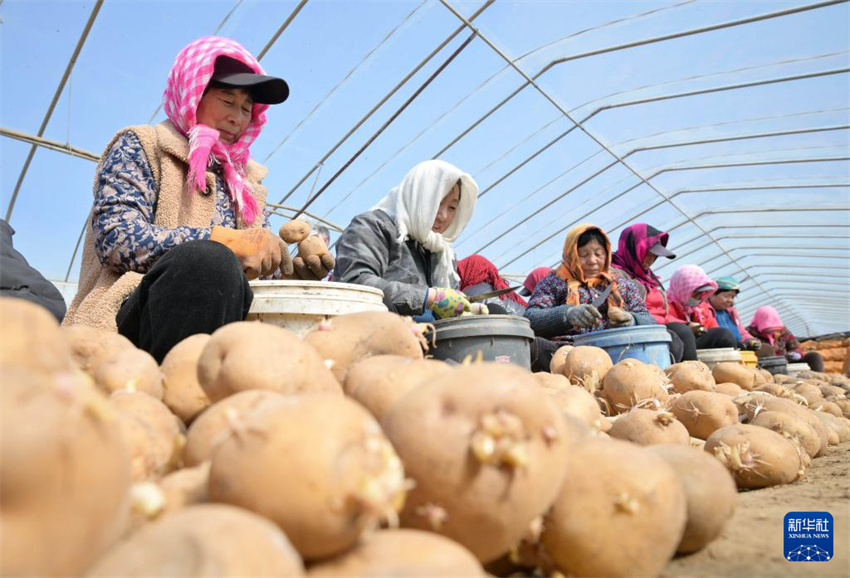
(476, 269)
(534, 278)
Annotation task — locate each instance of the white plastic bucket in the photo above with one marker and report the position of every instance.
(795, 368)
(712, 357)
(300, 306)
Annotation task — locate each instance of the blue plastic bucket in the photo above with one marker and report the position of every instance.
(646, 343)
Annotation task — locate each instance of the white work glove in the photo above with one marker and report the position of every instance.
(582, 316)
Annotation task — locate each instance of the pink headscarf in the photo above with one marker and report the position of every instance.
(765, 319)
(187, 81)
(684, 282)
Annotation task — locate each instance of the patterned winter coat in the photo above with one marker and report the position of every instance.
(547, 309)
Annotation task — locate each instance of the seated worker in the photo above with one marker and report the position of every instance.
(178, 223)
(532, 280)
(690, 287)
(638, 248)
(324, 234)
(721, 306)
(561, 305)
(777, 340)
(19, 279)
(403, 245)
(478, 275)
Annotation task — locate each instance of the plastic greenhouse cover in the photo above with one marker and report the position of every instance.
(725, 123)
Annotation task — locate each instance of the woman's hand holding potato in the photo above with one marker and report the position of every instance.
(313, 262)
(696, 328)
(258, 250)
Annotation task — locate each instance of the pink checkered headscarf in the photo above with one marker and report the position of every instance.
(684, 282)
(187, 80)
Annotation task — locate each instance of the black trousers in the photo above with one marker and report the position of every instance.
(715, 338)
(677, 347)
(542, 351)
(814, 359)
(194, 288)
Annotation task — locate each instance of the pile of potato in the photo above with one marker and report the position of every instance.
(835, 352)
(251, 452)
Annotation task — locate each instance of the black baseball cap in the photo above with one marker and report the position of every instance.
(662, 251)
(263, 89)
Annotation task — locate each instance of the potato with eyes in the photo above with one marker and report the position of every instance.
(492, 461)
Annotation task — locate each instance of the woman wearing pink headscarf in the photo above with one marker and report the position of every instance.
(178, 224)
(778, 341)
(689, 288)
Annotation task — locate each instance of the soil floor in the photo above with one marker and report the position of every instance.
(751, 545)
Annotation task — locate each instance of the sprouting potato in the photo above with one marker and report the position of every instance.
(632, 383)
(689, 375)
(182, 392)
(64, 473)
(347, 339)
(154, 436)
(379, 382)
(647, 427)
(253, 355)
(586, 366)
(710, 491)
(220, 421)
(318, 466)
(200, 541)
(704, 412)
(615, 491)
(38, 343)
(757, 456)
(400, 553)
(492, 461)
(132, 370)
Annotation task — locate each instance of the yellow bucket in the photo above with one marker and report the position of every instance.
(749, 359)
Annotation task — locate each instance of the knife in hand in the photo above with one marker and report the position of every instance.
(489, 294)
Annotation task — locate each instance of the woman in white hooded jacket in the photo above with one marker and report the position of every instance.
(403, 245)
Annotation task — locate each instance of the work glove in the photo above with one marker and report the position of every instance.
(794, 356)
(583, 316)
(752, 344)
(313, 261)
(620, 317)
(259, 251)
(448, 303)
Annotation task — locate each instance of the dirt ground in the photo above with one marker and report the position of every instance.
(751, 545)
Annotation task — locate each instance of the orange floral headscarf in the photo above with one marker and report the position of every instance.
(570, 268)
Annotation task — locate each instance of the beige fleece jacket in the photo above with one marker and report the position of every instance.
(101, 290)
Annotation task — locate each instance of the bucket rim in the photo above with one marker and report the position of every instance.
(296, 283)
(479, 326)
(631, 328)
(470, 318)
(622, 332)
